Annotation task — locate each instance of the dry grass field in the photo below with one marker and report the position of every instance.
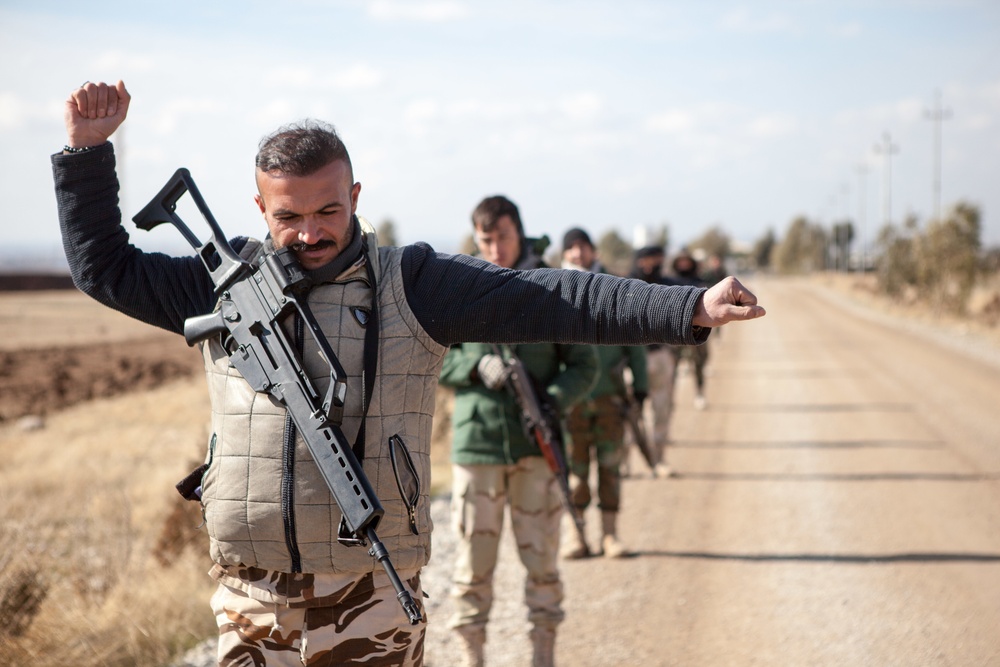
(103, 563)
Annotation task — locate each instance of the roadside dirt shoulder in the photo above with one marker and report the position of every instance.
(977, 334)
(60, 348)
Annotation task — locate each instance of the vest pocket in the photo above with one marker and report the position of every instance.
(407, 480)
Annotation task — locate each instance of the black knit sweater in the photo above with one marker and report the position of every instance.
(454, 297)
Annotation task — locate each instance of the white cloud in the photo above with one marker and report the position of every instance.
(671, 122)
(740, 20)
(420, 111)
(356, 77)
(772, 125)
(848, 30)
(12, 110)
(352, 77)
(429, 12)
(18, 112)
(120, 61)
(167, 118)
(976, 107)
(301, 77)
(582, 106)
(277, 112)
(906, 110)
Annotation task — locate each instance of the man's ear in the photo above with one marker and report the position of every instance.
(355, 192)
(260, 203)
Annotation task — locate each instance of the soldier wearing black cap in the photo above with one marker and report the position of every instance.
(595, 424)
(660, 363)
(578, 252)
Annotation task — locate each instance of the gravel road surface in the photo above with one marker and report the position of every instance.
(838, 503)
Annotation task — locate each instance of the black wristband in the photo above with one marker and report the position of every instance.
(82, 149)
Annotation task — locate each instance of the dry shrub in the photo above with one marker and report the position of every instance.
(937, 264)
(21, 594)
(85, 502)
(181, 530)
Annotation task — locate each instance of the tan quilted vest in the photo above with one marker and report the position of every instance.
(242, 487)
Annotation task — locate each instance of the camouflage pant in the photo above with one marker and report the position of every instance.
(479, 494)
(367, 628)
(596, 426)
(698, 354)
(662, 367)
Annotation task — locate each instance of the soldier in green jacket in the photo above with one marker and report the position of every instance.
(595, 425)
(495, 464)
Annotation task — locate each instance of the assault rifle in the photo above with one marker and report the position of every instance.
(631, 412)
(632, 415)
(254, 299)
(542, 426)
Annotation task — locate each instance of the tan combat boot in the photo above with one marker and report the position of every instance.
(574, 546)
(613, 548)
(473, 645)
(543, 647)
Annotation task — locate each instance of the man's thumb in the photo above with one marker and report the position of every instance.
(123, 96)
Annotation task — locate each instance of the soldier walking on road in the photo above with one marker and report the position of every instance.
(495, 464)
(660, 365)
(596, 424)
(685, 272)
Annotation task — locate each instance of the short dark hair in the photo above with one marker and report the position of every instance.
(649, 251)
(302, 148)
(491, 209)
(576, 234)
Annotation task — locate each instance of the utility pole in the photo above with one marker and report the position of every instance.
(844, 243)
(936, 116)
(886, 149)
(862, 170)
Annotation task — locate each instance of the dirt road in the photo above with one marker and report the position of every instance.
(837, 504)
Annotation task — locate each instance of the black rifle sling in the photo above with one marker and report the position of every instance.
(370, 357)
(370, 362)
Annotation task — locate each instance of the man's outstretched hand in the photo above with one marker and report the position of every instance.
(93, 112)
(726, 301)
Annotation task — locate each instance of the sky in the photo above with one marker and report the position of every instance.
(623, 115)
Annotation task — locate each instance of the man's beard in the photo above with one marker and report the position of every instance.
(319, 245)
(652, 275)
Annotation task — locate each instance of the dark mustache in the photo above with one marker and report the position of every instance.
(319, 245)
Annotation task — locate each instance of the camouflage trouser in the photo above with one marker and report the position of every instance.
(367, 627)
(698, 354)
(661, 367)
(596, 426)
(479, 493)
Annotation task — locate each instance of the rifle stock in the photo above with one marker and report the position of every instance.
(254, 301)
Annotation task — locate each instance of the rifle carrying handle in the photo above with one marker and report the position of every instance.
(219, 258)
